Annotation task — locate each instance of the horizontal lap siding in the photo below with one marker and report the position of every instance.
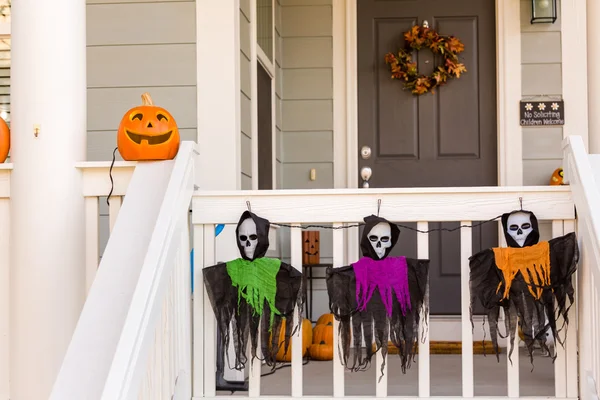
(307, 102)
(305, 114)
(541, 73)
(135, 47)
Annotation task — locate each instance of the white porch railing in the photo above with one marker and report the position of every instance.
(133, 339)
(97, 185)
(5, 170)
(342, 207)
(583, 173)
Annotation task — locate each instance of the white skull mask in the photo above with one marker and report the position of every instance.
(248, 237)
(381, 238)
(519, 227)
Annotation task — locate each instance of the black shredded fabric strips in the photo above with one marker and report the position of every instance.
(521, 308)
(244, 323)
(374, 322)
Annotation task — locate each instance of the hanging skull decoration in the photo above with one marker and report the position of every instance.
(248, 237)
(519, 227)
(380, 238)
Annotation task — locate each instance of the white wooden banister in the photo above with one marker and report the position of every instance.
(340, 207)
(97, 184)
(5, 170)
(142, 282)
(582, 172)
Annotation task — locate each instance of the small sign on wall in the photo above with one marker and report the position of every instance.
(542, 113)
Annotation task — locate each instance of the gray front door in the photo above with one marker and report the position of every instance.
(444, 139)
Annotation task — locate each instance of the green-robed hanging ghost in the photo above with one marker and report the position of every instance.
(253, 290)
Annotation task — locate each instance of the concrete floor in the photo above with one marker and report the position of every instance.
(490, 378)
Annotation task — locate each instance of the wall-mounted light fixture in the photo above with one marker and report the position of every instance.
(543, 11)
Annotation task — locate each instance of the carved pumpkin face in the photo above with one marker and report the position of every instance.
(4, 140)
(310, 247)
(148, 132)
(557, 177)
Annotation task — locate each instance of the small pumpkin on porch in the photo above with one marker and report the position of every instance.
(321, 351)
(148, 132)
(307, 334)
(323, 333)
(322, 347)
(325, 319)
(4, 140)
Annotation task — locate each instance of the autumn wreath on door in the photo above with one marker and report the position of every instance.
(422, 37)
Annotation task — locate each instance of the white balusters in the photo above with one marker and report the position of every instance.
(296, 261)
(92, 240)
(338, 261)
(198, 313)
(209, 327)
(466, 250)
(348, 208)
(424, 365)
(560, 364)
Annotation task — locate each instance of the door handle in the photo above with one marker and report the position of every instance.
(366, 173)
(365, 152)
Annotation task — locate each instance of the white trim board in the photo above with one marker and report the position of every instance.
(573, 15)
(508, 78)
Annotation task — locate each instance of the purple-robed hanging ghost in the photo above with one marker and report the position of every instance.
(384, 298)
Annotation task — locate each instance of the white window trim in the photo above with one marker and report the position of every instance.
(257, 54)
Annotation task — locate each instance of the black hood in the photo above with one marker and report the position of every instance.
(365, 243)
(533, 237)
(262, 231)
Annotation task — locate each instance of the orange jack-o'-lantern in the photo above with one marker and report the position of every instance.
(4, 140)
(557, 177)
(148, 132)
(310, 247)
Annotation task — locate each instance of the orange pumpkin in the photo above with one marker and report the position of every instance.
(4, 140)
(286, 355)
(310, 247)
(321, 351)
(323, 333)
(557, 177)
(325, 319)
(148, 132)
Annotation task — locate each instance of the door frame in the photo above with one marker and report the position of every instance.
(508, 89)
(345, 99)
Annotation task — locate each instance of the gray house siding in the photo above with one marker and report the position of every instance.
(245, 95)
(307, 113)
(541, 75)
(307, 103)
(134, 47)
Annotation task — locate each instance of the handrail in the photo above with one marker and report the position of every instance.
(132, 266)
(125, 375)
(586, 195)
(579, 174)
(344, 208)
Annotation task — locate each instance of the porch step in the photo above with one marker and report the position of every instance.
(450, 347)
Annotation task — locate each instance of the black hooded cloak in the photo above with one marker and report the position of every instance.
(231, 307)
(373, 318)
(489, 284)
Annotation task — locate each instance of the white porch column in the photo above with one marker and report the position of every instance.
(593, 60)
(219, 115)
(47, 282)
(218, 94)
